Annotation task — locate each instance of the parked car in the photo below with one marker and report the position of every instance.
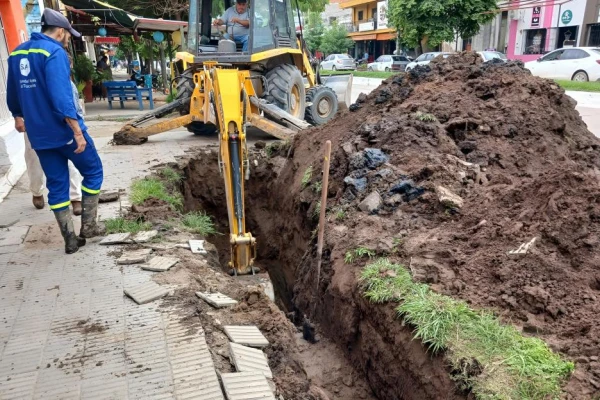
(389, 63)
(491, 55)
(425, 59)
(580, 64)
(338, 62)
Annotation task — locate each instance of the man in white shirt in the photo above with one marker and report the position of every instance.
(238, 17)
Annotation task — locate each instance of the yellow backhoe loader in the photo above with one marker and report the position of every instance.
(221, 89)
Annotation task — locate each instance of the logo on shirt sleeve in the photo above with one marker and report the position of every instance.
(24, 67)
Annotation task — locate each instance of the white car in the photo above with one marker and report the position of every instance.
(389, 63)
(338, 62)
(580, 64)
(492, 55)
(425, 59)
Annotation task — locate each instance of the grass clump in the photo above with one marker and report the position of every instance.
(199, 222)
(307, 176)
(153, 188)
(171, 176)
(318, 187)
(122, 225)
(358, 253)
(340, 215)
(492, 360)
(425, 117)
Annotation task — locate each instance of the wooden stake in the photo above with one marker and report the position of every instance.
(322, 216)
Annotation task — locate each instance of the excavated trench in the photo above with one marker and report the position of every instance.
(377, 349)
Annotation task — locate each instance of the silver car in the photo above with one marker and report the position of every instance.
(425, 59)
(338, 62)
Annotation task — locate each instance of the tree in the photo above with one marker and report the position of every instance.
(336, 40)
(313, 33)
(436, 21)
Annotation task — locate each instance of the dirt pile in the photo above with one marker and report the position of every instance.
(446, 169)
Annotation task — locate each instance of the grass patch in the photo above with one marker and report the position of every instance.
(580, 86)
(199, 222)
(153, 188)
(425, 117)
(307, 176)
(171, 176)
(340, 215)
(361, 74)
(492, 360)
(122, 225)
(358, 253)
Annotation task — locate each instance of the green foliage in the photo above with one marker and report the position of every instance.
(171, 96)
(317, 211)
(277, 147)
(438, 20)
(335, 40)
(340, 214)
(122, 225)
(358, 253)
(199, 222)
(307, 176)
(313, 34)
(425, 117)
(153, 188)
(508, 365)
(318, 187)
(83, 68)
(362, 74)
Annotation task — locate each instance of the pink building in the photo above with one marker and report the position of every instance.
(536, 27)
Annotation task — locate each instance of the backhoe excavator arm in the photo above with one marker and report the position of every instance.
(225, 90)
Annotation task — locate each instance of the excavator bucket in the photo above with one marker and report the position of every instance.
(342, 86)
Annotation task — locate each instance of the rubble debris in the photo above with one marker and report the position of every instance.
(197, 246)
(144, 236)
(522, 249)
(108, 197)
(160, 264)
(134, 257)
(116, 238)
(217, 300)
(146, 292)
(449, 199)
(371, 203)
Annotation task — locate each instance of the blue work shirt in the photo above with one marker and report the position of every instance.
(39, 91)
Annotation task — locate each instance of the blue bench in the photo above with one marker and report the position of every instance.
(127, 90)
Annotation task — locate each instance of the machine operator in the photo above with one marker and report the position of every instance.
(237, 17)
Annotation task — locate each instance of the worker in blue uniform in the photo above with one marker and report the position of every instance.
(39, 96)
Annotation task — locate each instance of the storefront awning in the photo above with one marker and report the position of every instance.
(386, 36)
(104, 11)
(371, 36)
(107, 40)
(161, 25)
(507, 5)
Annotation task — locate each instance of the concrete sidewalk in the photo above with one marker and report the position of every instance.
(66, 330)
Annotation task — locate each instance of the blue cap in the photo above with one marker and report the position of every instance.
(54, 18)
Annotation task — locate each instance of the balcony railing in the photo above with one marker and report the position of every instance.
(363, 25)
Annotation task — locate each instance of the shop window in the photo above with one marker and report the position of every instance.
(535, 41)
(594, 39)
(360, 15)
(5, 113)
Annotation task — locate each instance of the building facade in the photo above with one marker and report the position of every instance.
(369, 28)
(13, 32)
(334, 13)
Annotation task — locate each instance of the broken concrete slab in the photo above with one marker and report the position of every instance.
(246, 335)
(246, 385)
(144, 236)
(371, 203)
(108, 197)
(247, 359)
(160, 264)
(197, 246)
(134, 257)
(449, 199)
(13, 236)
(146, 292)
(116, 238)
(523, 249)
(217, 300)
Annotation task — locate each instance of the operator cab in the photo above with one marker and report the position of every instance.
(271, 26)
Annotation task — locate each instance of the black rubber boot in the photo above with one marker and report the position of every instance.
(65, 223)
(89, 226)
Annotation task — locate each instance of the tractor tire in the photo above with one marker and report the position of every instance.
(323, 107)
(185, 89)
(285, 89)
